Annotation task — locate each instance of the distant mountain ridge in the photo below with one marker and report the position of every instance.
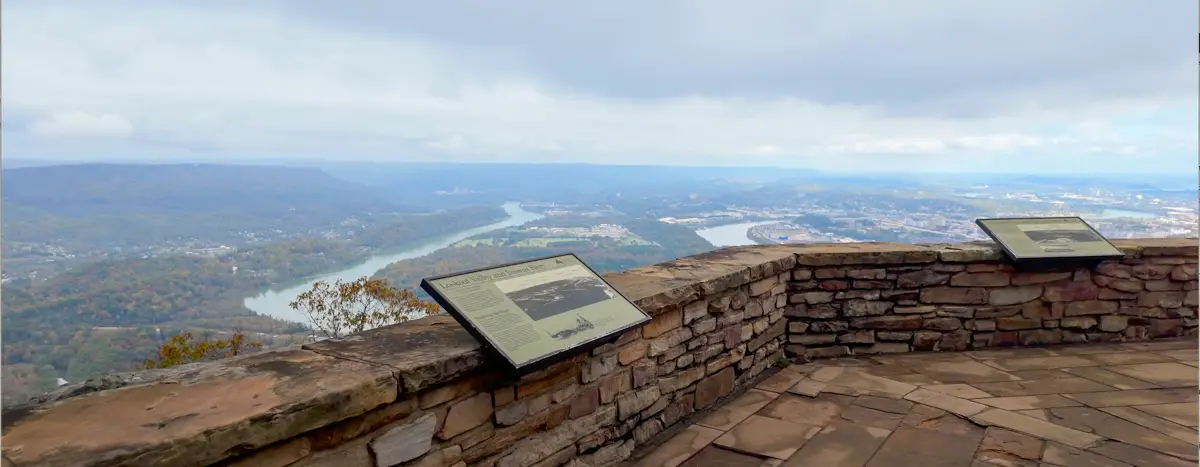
(80, 190)
(105, 205)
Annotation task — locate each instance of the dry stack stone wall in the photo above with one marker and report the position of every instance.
(946, 305)
(421, 393)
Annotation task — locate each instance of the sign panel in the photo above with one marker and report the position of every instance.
(1042, 238)
(532, 311)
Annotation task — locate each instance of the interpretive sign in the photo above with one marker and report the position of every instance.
(536, 312)
(1045, 241)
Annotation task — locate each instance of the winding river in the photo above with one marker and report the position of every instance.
(274, 302)
(730, 235)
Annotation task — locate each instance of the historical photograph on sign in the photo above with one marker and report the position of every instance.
(546, 295)
(1055, 237)
(559, 296)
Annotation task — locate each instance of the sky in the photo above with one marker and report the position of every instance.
(1052, 86)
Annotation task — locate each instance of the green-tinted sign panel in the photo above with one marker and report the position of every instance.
(535, 310)
(1037, 238)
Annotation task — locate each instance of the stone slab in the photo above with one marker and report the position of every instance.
(926, 448)
(1109, 378)
(1036, 428)
(1041, 363)
(200, 414)
(1168, 375)
(681, 447)
(1183, 413)
(735, 411)
(424, 352)
(767, 437)
(840, 444)
(1134, 397)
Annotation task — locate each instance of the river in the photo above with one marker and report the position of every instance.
(730, 235)
(274, 302)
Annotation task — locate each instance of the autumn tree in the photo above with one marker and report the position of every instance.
(343, 308)
(187, 348)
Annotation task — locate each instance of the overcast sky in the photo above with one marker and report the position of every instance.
(891, 85)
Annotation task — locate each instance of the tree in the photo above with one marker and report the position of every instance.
(186, 348)
(348, 307)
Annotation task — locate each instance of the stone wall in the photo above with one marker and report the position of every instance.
(962, 299)
(421, 393)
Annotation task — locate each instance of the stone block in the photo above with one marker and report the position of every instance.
(1185, 272)
(834, 285)
(857, 337)
(1041, 337)
(894, 336)
(954, 295)
(704, 325)
(405, 440)
(668, 321)
(911, 310)
(1013, 323)
(854, 308)
(985, 325)
(829, 273)
(813, 298)
(828, 326)
(630, 403)
(632, 353)
(1090, 307)
(1071, 292)
(1148, 272)
(1014, 295)
(612, 385)
(888, 322)
(1163, 285)
(812, 339)
(659, 345)
(926, 340)
(1033, 278)
(1079, 322)
(1161, 299)
(883, 348)
(871, 284)
(1121, 285)
(941, 324)
(695, 310)
(1113, 323)
(680, 380)
(981, 279)
(596, 367)
(872, 273)
(832, 351)
(585, 403)
(921, 278)
(713, 388)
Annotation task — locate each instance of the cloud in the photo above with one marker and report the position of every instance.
(826, 84)
(76, 123)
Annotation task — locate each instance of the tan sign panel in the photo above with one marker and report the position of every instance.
(1048, 237)
(532, 311)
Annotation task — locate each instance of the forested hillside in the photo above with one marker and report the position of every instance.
(48, 324)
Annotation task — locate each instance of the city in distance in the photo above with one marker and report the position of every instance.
(96, 272)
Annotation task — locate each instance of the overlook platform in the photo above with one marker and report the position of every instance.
(1104, 405)
(1086, 367)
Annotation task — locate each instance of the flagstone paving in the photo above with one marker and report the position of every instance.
(1102, 405)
